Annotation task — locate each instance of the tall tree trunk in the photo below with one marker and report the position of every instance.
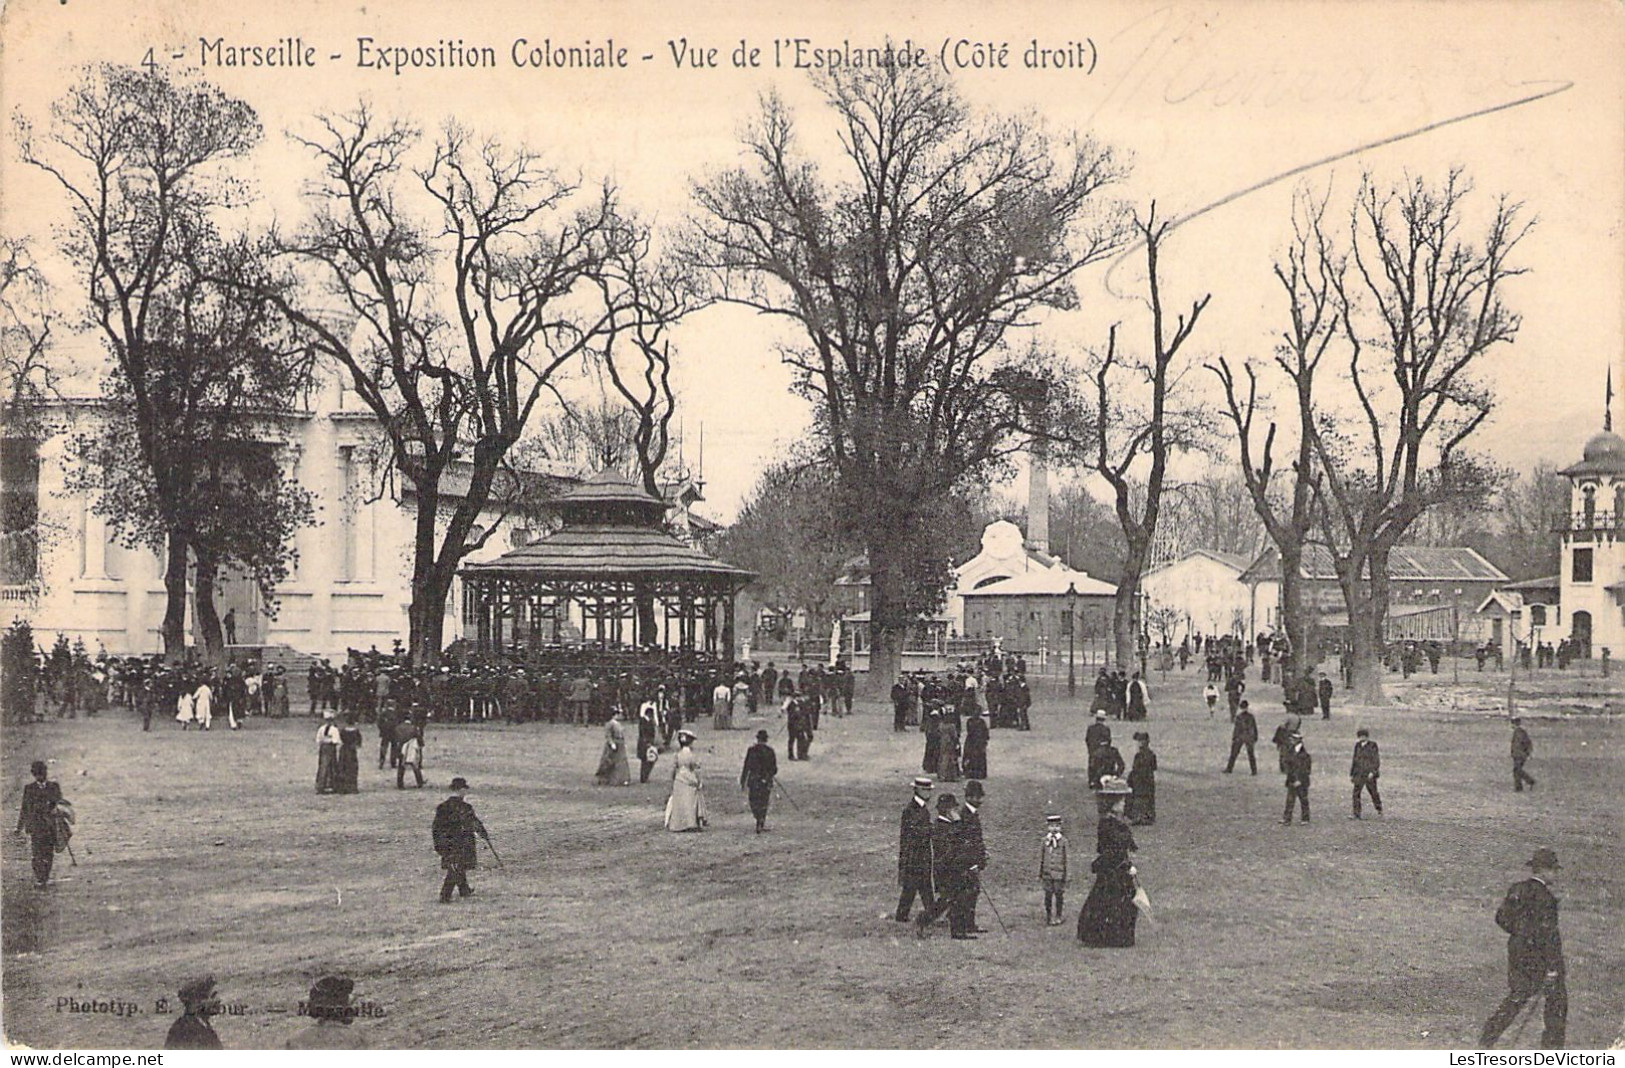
(1126, 609)
(888, 619)
(1293, 618)
(175, 598)
(424, 615)
(432, 621)
(1366, 601)
(208, 619)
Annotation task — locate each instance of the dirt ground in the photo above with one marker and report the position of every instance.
(212, 853)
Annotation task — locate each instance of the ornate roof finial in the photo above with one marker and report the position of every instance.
(1608, 403)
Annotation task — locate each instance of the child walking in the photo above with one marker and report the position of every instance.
(1052, 870)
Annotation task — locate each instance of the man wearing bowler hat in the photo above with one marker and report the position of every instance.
(761, 768)
(455, 826)
(1534, 952)
(951, 865)
(914, 850)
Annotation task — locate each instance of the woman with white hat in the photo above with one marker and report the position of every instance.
(1109, 913)
(685, 809)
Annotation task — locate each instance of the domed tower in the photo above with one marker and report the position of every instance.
(1593, 567)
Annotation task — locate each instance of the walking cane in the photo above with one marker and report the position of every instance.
(995, 909)
(74, 861)
(786, 794)
(497, 856)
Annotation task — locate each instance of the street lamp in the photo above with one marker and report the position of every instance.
(1071, 639)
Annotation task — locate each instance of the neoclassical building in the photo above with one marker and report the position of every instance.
(351, 587)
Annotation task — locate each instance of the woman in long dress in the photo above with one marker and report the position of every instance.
(933, 742)
(327, 754)
(348, 772)
(974, 760)
(685, 809)
(722, 709)
(948, 757)
(613, 767)
(1109, 913)
(185, 709)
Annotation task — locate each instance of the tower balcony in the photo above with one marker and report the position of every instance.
(1583, 526)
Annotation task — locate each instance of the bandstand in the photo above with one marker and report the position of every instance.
(611, 576)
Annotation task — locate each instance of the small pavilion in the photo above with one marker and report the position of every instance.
(613, 572)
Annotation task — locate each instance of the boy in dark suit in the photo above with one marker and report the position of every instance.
(1298, 764)
(1365, 769)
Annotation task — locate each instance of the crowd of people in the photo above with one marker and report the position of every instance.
(942, 851)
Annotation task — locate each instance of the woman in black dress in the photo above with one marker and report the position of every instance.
(349, 763)
(974, 760)
(1109, 914)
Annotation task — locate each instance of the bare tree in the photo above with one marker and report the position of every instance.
(1139, 415)
(28, 378)
(142, 158)
(938, 235)
(1309, 277)
(1420, 306)
(1530, 508)
(636, 353)
(456, 384)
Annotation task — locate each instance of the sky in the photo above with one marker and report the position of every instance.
(1225, 109)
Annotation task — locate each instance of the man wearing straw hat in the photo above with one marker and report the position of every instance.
(914, 851)
(1534, 953)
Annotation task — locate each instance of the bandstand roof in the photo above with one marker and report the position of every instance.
(609, 545)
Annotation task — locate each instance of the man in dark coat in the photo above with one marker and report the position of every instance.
(1365, 769)
(1522, 747)
(914, 851)
(455, 826)
(1298, 765)
(975, 848)
(951, 864)
(1104, 759)
(1534, 953)
(761, 767)
(389, 717)
(899, 705)
(974, 755)
(646, 740)
(37, 819)
(770, 682)
(1024, 704)
(1098, 733)
(1142, 779)
(1234, 687)
(799, 722)
(1243, 734)
(1323, 691)
(192, 1030)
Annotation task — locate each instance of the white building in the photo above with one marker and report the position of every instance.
(1592, 576)
(1005, 554)
(351, 586)
(1203, 593)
